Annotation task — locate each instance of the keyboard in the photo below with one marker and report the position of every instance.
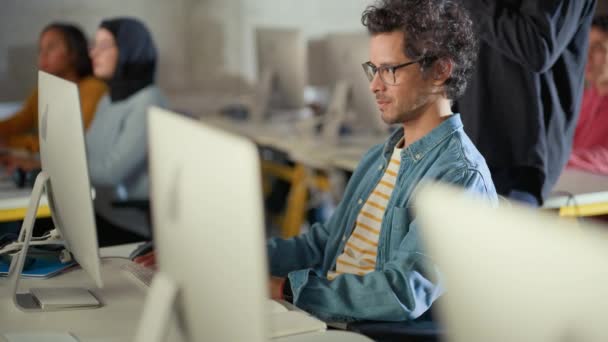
(142, 274)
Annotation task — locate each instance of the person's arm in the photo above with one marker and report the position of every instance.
(303, 251)
(91, 90)
(536, 34)
(22, 121)
(403, 290)
(28, 142)
(306, 250)
(592, 160)
(128, 152)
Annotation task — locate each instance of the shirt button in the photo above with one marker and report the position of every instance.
(417, 156)
(343, 238)
(360, 201)
(380, 167)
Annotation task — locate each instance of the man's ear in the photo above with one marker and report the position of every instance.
(442, 70)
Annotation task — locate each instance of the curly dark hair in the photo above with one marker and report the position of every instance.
(434, 30)
(77, 45)
(601, 22)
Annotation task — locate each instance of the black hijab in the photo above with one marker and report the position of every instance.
(136, 57)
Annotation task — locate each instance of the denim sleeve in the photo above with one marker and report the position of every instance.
(303, 251)
(403, 290)
(534, 35)
(307, 250)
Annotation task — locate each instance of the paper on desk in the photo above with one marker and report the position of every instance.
(36, 337)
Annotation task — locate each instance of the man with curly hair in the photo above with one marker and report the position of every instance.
(366, 262)
(523, 100)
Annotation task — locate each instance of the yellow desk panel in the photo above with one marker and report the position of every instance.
(17, 214)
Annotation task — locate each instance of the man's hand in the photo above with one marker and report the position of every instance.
(276, 287)
(147, 260)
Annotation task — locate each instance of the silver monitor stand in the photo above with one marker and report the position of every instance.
(47, 298)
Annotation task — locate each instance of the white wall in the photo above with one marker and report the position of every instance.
(223, 30)
(200, 41)
(313, 17)
(22, 20)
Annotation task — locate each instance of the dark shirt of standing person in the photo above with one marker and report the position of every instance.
(523, 100)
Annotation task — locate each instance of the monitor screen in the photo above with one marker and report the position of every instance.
(282, 52)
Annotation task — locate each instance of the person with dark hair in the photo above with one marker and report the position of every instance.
(124, 56)
(367, 262)
(524, 97)
(63, 52)
(590, 147)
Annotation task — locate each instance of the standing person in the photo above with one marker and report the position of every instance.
(63, 52)
(523, 101)
(125, 57)
(590, 147)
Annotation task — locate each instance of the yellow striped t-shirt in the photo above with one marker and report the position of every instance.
(361, 249)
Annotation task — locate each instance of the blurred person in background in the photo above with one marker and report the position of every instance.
(590, 147)
(63, 52)
(523, 101)
(125, 57)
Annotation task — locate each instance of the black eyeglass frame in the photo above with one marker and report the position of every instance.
(392, 68)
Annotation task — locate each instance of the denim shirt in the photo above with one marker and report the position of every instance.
(405, 282)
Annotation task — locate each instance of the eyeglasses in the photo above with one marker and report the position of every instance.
(386, 72)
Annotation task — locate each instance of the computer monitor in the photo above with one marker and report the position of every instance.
(65, 178)
(209, 233)
(317, 62)
(345, 54)
(204, 232)
(512, 273)
(281, 53)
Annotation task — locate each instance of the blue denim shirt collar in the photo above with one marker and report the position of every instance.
(420, 148)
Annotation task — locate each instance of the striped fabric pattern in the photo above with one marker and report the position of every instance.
(361, 249)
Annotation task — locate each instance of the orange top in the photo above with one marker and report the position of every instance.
(19, 131)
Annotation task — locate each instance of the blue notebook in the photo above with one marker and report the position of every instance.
(38, 267)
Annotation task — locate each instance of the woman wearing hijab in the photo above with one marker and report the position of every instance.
(63, 52)
(124, 56)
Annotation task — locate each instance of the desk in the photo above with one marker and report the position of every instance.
(14, 202)
(579, 193)
(348, 159)
(7, 109)
(123, 298)
(327, 336)
(309, 153)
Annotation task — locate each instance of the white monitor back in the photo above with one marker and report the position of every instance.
(63, 157)
(345, 54)
(514, 274)
(283, 53)
(208, 227)
(318, 73)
